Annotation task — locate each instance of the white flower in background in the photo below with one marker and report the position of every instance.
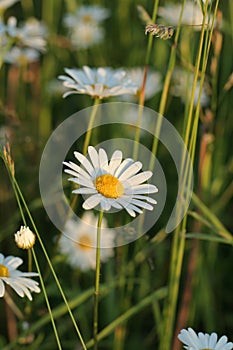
(31, 33)
(20, 56)
(153, 83)
(182, 81)
(79, 241)
(97, 82)
(25, 238)
(16, 279)
(84, 35)
(91, 15)
(201, 341)
(4, 4)
(192, 14)
(116, 183)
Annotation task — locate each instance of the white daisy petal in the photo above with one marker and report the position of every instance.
(115, 161)
(2, 288)
(94, 157)
(140, 178)
(103, 159)
(77, 169)
(85, 162)
(92, 201)
(85, 190)
(131, 170)
(123, 166)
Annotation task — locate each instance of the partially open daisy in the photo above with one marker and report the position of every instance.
(18, 280)
(116, 183)
(97, 82)
(203, 341)
(79, 241)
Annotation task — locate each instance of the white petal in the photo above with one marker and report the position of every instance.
(140, 178)
(115, 161)
(84, 190)
(103, 159)
(123, 166)
(77, 169)
(2, 288)
(131, 170)
(142, 189)
(13, 262)
(85, 162)
(94, 157)
(92, 201)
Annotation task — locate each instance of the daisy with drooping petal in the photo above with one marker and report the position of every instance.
(116, 183)
(201, 341)
(25, 238)
(18, 280)
(97, 82)
(79, 240)
(84, 35)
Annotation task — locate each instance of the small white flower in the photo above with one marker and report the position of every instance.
(32, 33)
(203, 341)
(4, 4)
(21, 56)
(91, 15)
(182, 86)
(116, 183)
(25, 238)
(192, 14)
(18, 280)
(97, 82)
(84, 35)
(79, 241)
(153, 82)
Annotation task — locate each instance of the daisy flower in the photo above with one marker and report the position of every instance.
(32, 33)
(116, 183)
(79, 240)
(84, 35)
(21, 56)
(97, 82)
(153, 82)
(182, 81)
(91, 15)
(18, 280)
(192, 14)
(25, 238)
(203, 341)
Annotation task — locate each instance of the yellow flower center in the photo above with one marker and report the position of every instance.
(87, 19)
(109, 186)
(4, 272)
(84, 242)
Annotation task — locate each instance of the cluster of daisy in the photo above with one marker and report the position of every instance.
(84, 25)
(22, 43)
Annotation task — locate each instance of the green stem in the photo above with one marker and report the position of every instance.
(97, 282)
(90, 125)
(47, 301)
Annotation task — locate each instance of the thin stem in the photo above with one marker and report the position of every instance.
(97, 281)
(90, 125)
(47, 301)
